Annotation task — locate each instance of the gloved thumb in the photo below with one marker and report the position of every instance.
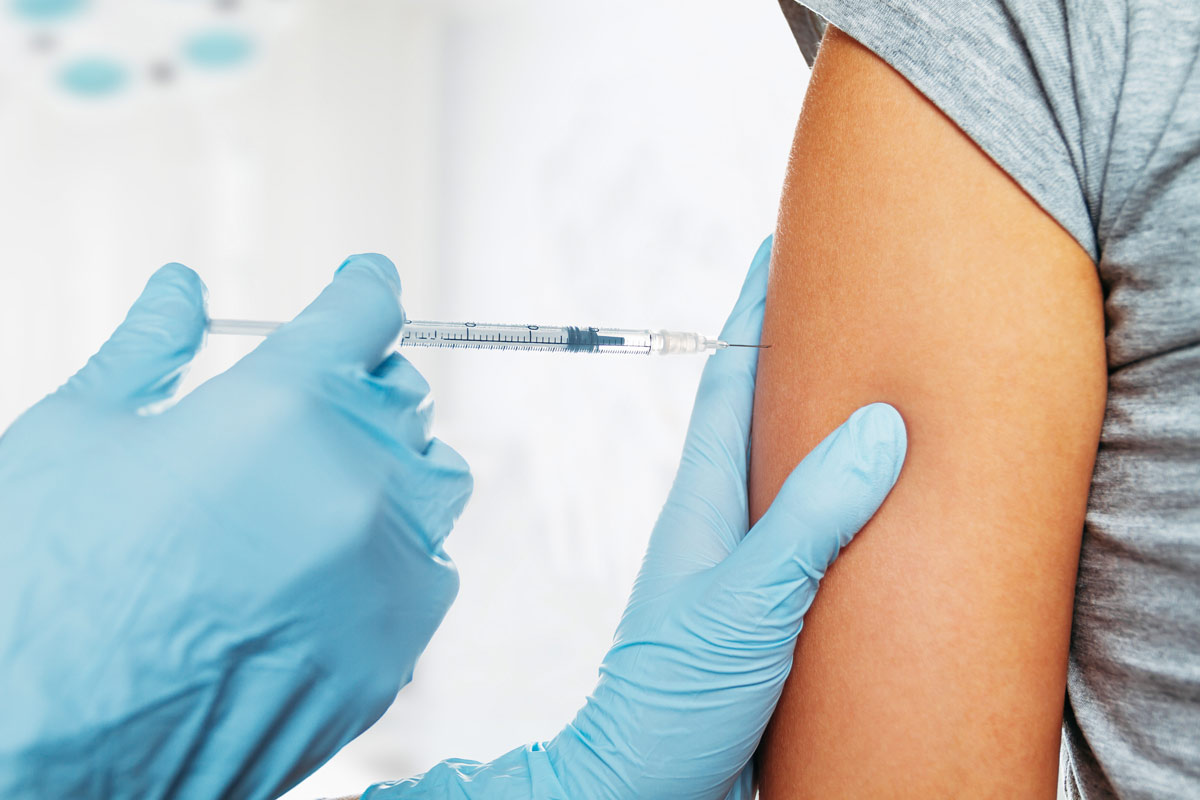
(145, 358)
(826, 500)
(354, 321)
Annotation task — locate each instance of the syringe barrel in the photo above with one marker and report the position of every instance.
(519, 337)
(555, 338)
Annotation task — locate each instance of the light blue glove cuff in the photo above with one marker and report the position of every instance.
(522, 774)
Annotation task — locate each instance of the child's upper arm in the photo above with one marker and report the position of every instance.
(910, 269)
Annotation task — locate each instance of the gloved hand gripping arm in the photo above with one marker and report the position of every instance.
(702, 651)
(210, 601)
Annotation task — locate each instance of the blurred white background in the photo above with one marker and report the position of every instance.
(521, 160)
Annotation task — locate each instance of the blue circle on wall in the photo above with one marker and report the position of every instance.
(219, 49)
(93, 77)
(42, 10)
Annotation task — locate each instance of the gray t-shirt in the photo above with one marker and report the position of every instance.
(1093, 106)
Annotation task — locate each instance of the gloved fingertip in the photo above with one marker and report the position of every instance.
(448, 461)
(762, 259)
(142, 361)
(354, 320)
(398, 371)
(182, 277)
(881, 439)
(372, 265)
(172, 309)
(453, 470)
(835, 490)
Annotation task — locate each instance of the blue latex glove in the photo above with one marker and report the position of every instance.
(704, 646)
(210, 601)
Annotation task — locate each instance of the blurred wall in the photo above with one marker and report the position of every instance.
(521, 160)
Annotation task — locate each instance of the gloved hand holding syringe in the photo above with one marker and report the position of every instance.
(552, 338)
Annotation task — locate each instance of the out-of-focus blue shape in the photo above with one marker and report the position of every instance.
(94, 77)
(219, 49)
(41, 10)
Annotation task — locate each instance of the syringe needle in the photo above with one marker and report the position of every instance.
(756, 346)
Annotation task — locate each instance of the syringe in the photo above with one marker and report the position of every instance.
(552, 338)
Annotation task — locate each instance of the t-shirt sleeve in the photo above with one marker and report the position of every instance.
(1000, 69)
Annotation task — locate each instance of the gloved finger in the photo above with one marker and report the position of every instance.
(428, 493)
(393, 400)
(145, 358)
(712, 471)
(354, 321)
(721, 417)
(744, 325)
(826, 500)
(727, 384)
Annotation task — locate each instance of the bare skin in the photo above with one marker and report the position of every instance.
(910, 269)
